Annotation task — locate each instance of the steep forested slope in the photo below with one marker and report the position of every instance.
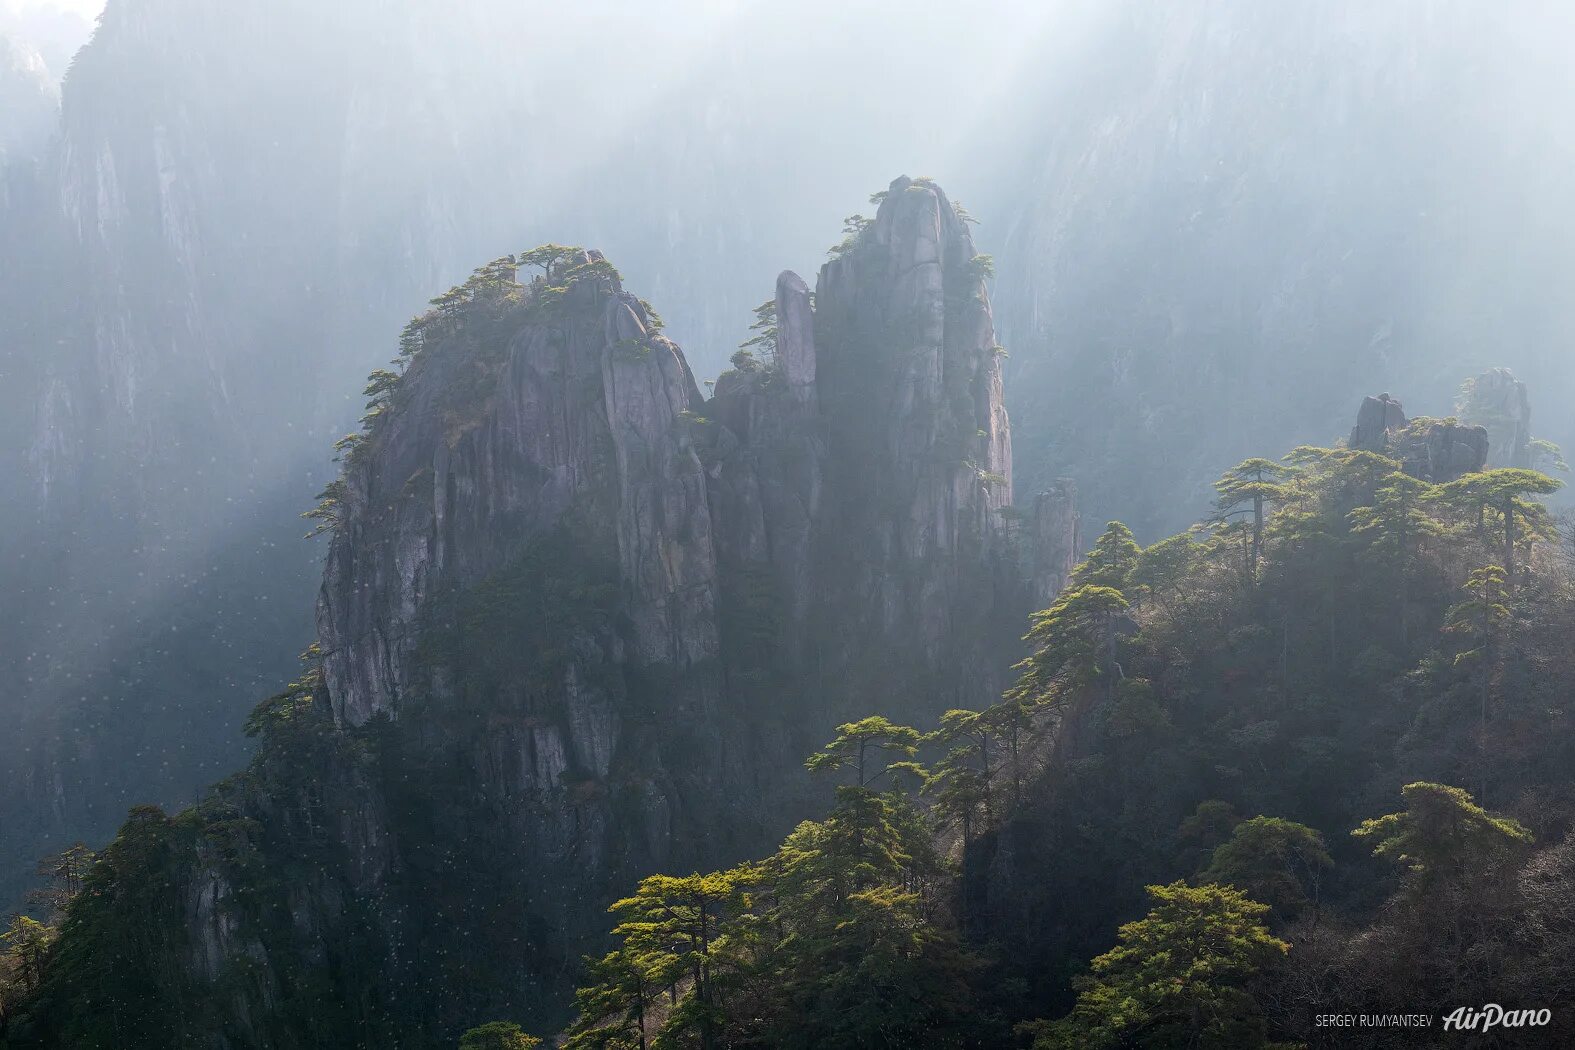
(244, 204)
(246, 201)
(578, 623)
(1310, 762)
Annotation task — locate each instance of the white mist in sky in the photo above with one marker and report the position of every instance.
(54, 29)
(88, 9)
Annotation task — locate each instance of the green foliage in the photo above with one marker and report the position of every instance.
(115, 976)
(1545, 451)
(837, 939)
(1250, 488)
(980, 268)
(618, 1000)
(1443, 834)
(960, 781)
(1273, 860)
(1482, 619)
(1399, 520)
(329, 513)
(871, 748)
(1209, 825)
(1073, 644)
(1502, 495)
(1112, 561)
(1163, 569)
(763, 368)
(854, 228)
(547, 257)
(26, 945)
(654, 322)
(286, 707)
(1175, 976)
(1321, 676)
(63, 876)
(498, 1035)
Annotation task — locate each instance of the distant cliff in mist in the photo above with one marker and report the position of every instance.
(579, 623)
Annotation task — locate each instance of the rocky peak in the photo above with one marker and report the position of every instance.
(572, 418)
(1435, 450)
(578, 624)
(1377, 419)
(1498, 402)
(918, 441)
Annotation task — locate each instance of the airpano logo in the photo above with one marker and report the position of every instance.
(1491, 1016)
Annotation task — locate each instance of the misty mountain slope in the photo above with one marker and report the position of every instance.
(1238, 218)
(244, 204)
(1216, 227)
(578, 624)
(29, 102)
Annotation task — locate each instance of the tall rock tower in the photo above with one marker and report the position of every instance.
(579, 624)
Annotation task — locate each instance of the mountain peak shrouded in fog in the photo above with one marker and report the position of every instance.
(560, 573)
(591, 580)
(243, 205)
(29, 102)
(54, 29)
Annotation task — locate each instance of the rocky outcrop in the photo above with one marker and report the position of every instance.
(1055, 541)
(918, 450)
(1435, 450)
(1498, 402)
(579, 624)
(584, 423)
(1377, 419)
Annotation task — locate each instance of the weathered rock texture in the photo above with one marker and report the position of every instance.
(579, 623)
(234, 210)
(1436, 450)
(1498, 402)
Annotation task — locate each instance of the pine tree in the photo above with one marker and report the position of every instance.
(1443, 834)
(674, 925)
(1250, 488)
(865, 747)
(1074, 644)
(498, 1035)
(1175, 977)
(1395, 527)
(1273, 860)
(1503, 493)
(616, 1003)
(1112, 561)
(960, 781)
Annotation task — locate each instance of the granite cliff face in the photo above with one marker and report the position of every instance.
(579, 623)
(1234, 220)
(1435, 450)
(1501, 404)
(233, 209)
(29, 102)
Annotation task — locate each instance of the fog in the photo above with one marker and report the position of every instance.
(1215, 228)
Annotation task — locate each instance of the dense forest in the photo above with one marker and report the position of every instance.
(1312, 752)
